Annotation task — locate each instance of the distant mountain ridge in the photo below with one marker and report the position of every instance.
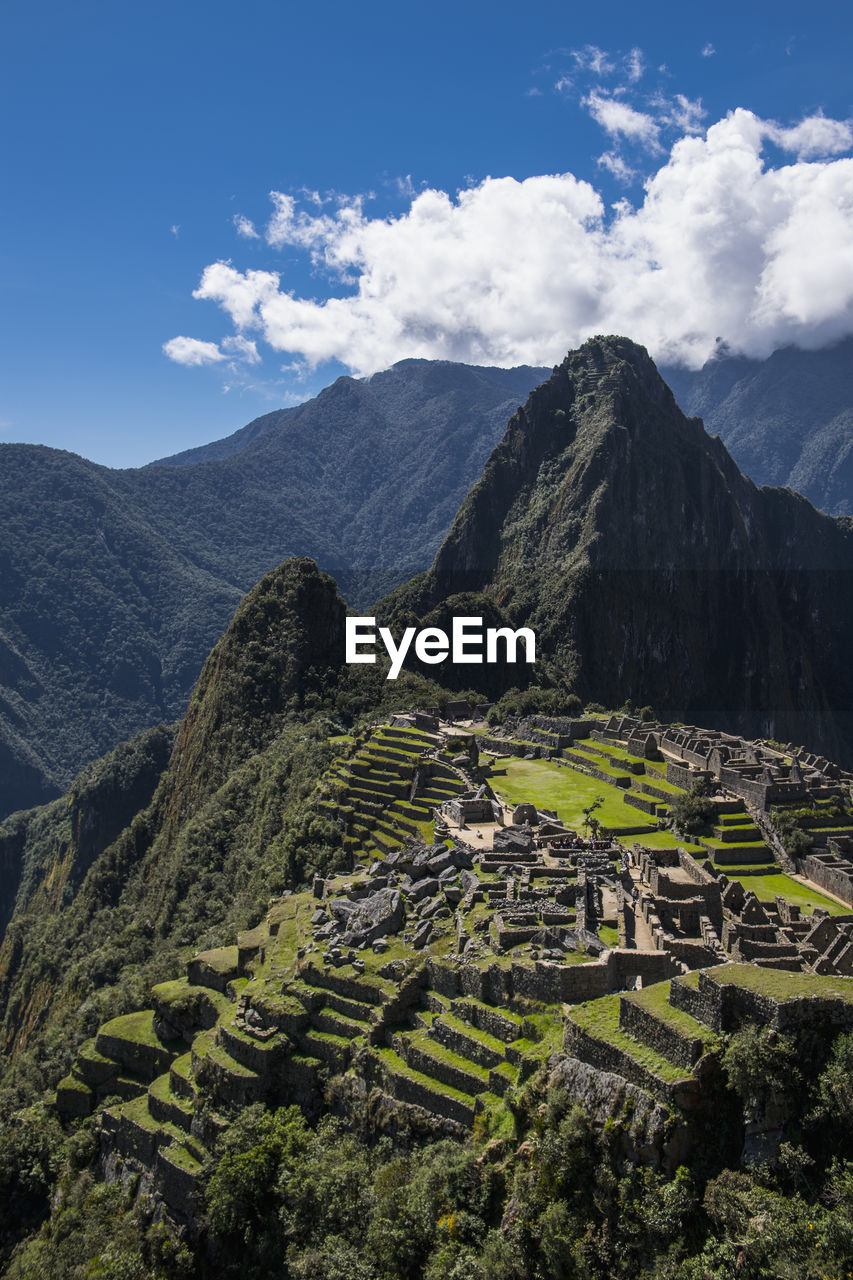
(786, 420)
(114, 585)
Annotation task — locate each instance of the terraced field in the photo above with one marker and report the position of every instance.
(388, 790)
(266, 1020)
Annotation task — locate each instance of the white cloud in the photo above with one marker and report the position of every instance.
(241, 349)
(617, 166)
(635, 65)
(192, 351)
(814, 136)
(244, 292)
(245, 227)
(508, 272)
(620, 120)
(593, 59)
(175, 229)
(681, 113)
(708, 51)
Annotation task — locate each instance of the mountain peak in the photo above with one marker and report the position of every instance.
(647, 565)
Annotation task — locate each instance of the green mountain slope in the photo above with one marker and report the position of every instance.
(157, 848)
(114, 585)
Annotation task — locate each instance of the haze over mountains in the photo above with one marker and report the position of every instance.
(116, 584)
(786, 420)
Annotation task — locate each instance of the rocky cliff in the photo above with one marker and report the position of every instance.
(648, 565)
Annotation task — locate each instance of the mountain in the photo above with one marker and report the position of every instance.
(174, 837)
(444, 1099)
(163, 857)
(114, 585)
(787, 420)
(648, 565)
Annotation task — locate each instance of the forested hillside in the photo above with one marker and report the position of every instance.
(114, 585)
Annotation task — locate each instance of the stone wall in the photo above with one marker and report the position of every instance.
(492, 1021)
(680, 776)
(408, 1090)
(466, 1046)
(176, 1184)
(726, 1006)
(509, 747)
(564, 725)
(650, 966)
(660, 1036)
(833, 876)
(443, 1072)
(609, 1057)
(571, 760)
(361, 991)
(700, 1004)
(641, 802)
(148, 1060)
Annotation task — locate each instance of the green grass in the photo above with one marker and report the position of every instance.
(609, 935)
(222, 960)
(178, 1155)
(666, 840)
(162, 1090)
(567, 792)
(547, 1029)
(440, 1053)
(600, 1018)
(800, 895)
(655, 1000)
(137, 1111)
(473, 1033)
(616, 753)
(398, 1066)
(135, 1027)
(713, 843)
(70, 1084)
(781, 984)
(661, 784)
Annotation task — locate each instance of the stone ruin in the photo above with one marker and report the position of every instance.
(702, 918)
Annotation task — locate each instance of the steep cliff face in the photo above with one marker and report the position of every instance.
(649, 567)
(283, 647)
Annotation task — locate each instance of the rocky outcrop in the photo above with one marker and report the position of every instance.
(648, 1131)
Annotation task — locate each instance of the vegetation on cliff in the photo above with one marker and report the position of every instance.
(150, 854)
(314, 1201)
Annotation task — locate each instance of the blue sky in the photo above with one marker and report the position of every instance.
(140, 145)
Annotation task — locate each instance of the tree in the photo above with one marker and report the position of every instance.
(591, 823)
(693, 811)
